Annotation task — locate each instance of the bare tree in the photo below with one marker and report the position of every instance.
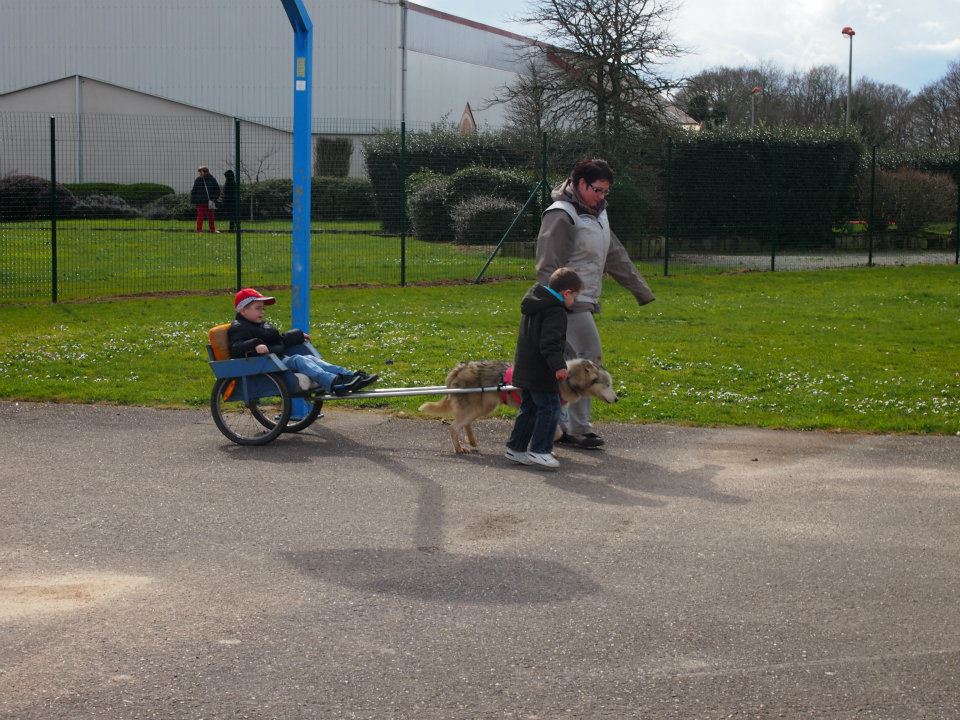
(816, 97)
(935, 120)
(882, 113)
(722, 95)
(599, 62)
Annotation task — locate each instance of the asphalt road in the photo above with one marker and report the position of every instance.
(151, 569)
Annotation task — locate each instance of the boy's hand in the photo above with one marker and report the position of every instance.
(562, 374)
(262, 349)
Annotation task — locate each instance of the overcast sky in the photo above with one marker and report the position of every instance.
(905, 42)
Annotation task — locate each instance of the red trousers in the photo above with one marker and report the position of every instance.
(206, 212)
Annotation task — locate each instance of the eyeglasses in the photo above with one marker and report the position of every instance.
(599, 191)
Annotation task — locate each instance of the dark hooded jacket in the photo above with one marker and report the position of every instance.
(229, 197)
(205, 187)
(244, 336)
(540, 342)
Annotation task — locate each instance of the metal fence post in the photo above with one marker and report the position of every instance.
(544, 186)
(666, 212)
(53, 208)
(956, 227)
(236, 204)
(873, 198)
(776, 211)
(403, 203)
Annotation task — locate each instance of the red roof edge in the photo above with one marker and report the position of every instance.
(469, 23)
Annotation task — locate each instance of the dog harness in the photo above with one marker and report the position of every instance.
(505, 396)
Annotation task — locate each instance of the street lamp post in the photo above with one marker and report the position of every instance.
(848, 31)
(753, 103)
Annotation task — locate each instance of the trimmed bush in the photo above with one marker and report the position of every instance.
(136, 194)
(442, 150)
(341, 198)
(272, 199)
(911, 199)
(331, 157)
(171, 207)
(633, 212)
(429, 207)
(96, 207)
(483, 219)
(474, 180)
(27, 197)
(799, 184)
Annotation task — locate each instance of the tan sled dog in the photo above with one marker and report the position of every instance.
(586, 379)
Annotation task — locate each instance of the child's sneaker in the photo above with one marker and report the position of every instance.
(344, 384)
(544, 460)
(517, 456)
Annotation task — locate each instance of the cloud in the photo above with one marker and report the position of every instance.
(950, 47)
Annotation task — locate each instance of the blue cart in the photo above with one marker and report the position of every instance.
(252, 398)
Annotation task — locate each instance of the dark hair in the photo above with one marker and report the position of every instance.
(591, 170)
(228, 172)
(565, 278)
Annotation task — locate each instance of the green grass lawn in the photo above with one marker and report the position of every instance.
(865, 349)
(129, 257)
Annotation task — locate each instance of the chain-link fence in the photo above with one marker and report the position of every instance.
(96, 206)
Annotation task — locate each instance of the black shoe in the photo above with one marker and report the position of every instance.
(344, 384)
(588, 441)
(363, 380)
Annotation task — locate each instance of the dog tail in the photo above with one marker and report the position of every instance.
(438, 408)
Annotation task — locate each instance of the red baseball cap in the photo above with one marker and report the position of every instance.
(247, 296)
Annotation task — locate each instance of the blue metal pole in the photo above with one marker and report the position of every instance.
(302, 145)
(302, 136)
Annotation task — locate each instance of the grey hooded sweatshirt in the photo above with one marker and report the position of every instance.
(573, 235)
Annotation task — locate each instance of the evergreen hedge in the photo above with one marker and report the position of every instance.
(441, 150)
(799, 184)
(136, 194)
(332, 157)
(27, 197)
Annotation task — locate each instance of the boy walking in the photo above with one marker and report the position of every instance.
(539, 366)
(250, 334)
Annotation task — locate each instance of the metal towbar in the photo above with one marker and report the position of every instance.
(425, 390)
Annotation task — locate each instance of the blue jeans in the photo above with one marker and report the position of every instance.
(536, 423)
(322, 372)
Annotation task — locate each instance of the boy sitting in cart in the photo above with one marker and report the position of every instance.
(250, 335)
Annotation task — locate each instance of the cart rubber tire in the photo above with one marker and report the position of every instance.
(240, 421)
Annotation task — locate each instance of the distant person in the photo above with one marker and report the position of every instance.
(575, 232)
(250, 335)
(229, 198)
(204, 195)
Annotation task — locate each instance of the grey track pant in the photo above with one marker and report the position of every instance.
(583, 341)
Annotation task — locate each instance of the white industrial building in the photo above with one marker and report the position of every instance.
(146, 90)
(375, 63)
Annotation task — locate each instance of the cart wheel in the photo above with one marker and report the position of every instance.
(268, 421)
(241, 421)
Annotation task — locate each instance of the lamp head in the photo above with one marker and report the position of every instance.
(848, 31)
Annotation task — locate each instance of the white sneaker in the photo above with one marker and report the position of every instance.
(517, 456)
(545, 459)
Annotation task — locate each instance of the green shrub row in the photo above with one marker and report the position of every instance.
(441, 207)
(26, 197)
(795, 184)
(136, 194)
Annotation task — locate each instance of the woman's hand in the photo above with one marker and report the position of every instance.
(562, 374)
(262, 349)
